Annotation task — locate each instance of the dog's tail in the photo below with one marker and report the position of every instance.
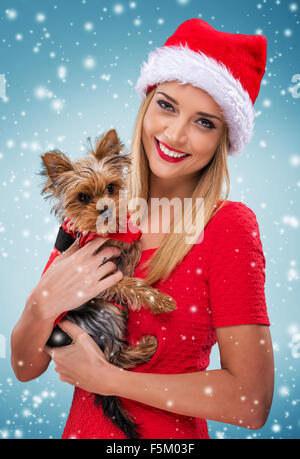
(113, 410)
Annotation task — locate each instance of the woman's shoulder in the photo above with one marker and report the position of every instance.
(234, 221)
(233, 212)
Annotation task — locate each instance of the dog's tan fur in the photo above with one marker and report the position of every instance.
(93, 177)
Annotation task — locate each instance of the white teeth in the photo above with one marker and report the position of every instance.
(170, 153)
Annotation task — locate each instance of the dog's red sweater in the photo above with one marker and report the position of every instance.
(219, 283)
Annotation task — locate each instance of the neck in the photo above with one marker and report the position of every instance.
(168, 188)
(172, 188)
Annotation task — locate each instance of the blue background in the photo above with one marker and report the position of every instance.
(100, 46)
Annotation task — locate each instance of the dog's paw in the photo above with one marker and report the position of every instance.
(164, 303)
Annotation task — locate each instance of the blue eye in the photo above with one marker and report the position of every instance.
(207, 124)
(162, 102)
(210, 124)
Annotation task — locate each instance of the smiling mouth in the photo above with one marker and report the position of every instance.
(172, 153)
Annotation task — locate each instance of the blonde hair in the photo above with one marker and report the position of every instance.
(174, 246)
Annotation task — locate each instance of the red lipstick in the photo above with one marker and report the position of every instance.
(173, 149)
(166, 157)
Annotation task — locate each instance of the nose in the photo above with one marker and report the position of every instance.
(176, 132)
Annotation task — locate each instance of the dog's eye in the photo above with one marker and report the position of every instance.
(110, 188)
(83, 197)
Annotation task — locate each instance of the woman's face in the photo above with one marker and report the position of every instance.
(173, 119)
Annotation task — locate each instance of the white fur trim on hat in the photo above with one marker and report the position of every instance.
(180, 63)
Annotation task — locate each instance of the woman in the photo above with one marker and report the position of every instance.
(198, 90)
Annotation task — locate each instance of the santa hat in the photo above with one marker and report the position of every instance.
(227, 66)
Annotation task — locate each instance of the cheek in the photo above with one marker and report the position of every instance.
(207, 146)
(151, 123)
(147, 134)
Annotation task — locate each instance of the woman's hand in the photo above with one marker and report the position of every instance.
(75, 277)
(82, 363)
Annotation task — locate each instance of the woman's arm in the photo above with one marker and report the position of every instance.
(240, 393)
(28, 340)
(57, 290)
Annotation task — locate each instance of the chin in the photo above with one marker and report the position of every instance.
(161, 172)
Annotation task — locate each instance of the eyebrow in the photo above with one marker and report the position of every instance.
(198, 113)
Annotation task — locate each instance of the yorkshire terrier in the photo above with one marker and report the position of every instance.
(76, 188)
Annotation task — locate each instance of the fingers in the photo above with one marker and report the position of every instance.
(110, 280)
(68, 380)
(63, 375)
(101, 259)
(89, 255)
(93, 245)
(50, 351)
(107, 268)
(108, 252)
(92, 248)
(72, 330)
(56, 352)
(67, 253)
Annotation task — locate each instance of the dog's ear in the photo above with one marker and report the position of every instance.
(54, 163)
(109, 144)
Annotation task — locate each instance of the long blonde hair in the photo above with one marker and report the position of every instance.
(209, 187)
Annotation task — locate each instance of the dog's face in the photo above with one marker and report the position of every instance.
(90, 190)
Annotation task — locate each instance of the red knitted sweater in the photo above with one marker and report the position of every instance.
(220, 282)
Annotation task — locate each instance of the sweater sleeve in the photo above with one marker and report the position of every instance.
(64, 240)
(236, 268)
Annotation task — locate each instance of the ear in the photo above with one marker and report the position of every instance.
(55, 163)
(109, 144)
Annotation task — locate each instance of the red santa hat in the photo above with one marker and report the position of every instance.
(229, 67)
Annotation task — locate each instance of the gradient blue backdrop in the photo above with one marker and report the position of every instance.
(70, 68)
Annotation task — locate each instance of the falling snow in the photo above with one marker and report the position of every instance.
(79, 81)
